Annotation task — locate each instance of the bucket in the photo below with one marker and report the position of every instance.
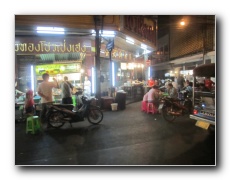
(114, 106)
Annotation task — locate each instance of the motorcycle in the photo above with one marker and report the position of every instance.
(171, 108)
(58, 115)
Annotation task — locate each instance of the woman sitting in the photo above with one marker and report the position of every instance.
(144, 102)
(29, 103)
(154, 96)
(172, 91)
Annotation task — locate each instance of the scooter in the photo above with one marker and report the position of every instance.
(58, 115)
(171, 108)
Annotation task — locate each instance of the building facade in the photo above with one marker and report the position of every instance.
(182, 47)
(82, 49)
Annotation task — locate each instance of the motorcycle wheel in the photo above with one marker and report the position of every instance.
(55, 119)
(167, 116)
(95, 115)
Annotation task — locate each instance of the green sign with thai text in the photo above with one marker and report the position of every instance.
(57, 68)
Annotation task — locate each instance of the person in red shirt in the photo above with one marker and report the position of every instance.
(208, 83)
(29, 102)
(151, 82)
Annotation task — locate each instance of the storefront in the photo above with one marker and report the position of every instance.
(73, 54)
(57, 56)
(124, 68)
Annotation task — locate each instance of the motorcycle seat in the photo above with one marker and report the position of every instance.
(66, 106)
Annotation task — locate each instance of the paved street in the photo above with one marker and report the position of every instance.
(128, 137)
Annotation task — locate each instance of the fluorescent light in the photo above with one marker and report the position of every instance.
(32, 77)
(137, 55)
(108, 34)
(113, 74)
(146, 51)
(105, 33)
(129, 40)
(143, 46)
(50, 30)
(93, 80)
(149, 72)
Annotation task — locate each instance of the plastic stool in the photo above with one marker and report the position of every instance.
(151, 108)
(74, 100)
(33, 124)
(144, 106)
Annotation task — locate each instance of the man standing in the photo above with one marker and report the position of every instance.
(87, 87)
(188, 88)
(45, 91)
(180, 82)
(66, 88)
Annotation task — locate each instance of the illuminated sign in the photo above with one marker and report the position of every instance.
(46, 47)
(57, 68)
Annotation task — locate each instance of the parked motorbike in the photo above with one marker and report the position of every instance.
(58, 115)
(172, 108)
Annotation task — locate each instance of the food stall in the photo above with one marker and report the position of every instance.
(58, 71)
(134, 89)
(125, 74)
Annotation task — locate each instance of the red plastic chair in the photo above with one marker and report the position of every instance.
(144, 106)
(151, 108)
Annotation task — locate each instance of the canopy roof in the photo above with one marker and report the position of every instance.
(207, 70)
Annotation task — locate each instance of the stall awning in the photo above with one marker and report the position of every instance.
(207, 70)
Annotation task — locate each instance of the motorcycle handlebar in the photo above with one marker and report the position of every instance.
(86, 99)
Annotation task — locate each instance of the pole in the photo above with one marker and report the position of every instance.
(110, 74)
(203, 33)
(97, 67)
(110, 47)
(146, 68)
(98, 20)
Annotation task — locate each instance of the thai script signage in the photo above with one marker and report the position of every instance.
(49, 47)
(117, 54)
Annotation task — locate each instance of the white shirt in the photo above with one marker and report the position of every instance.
(46, 89)
(87, 87)
(175, 85)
